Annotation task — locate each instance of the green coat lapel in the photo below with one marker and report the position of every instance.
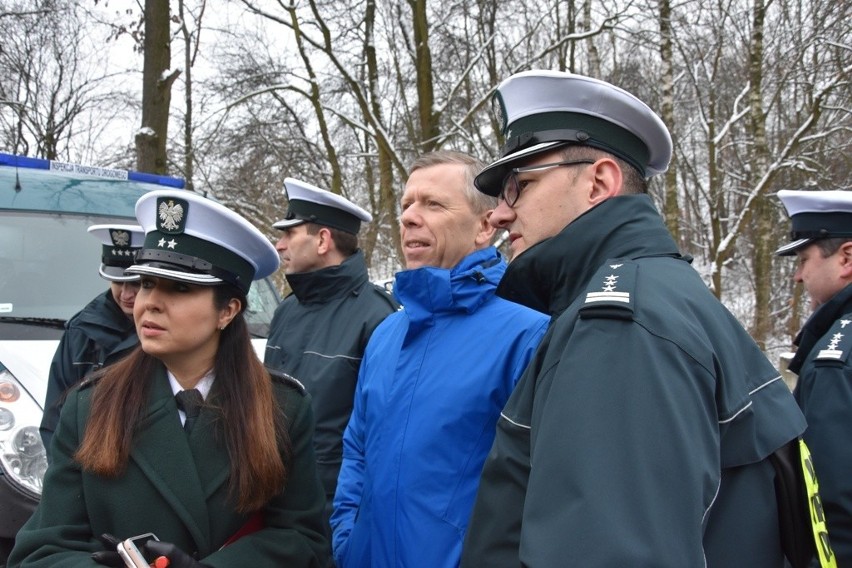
(161, 451)
(211, 457)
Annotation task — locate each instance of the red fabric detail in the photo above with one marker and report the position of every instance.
(253, 524)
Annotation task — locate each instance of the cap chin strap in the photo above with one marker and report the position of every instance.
(325, 215)
(568, 136)
(527, 139)
(819, 234)
(193, 263)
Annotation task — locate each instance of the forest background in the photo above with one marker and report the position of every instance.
(236, 95)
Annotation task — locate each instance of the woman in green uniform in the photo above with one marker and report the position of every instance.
(226, 478)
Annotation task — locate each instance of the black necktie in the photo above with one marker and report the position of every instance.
(190, 402)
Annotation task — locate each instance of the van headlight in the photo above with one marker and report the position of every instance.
(22, 455)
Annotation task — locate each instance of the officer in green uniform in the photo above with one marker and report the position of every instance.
(822, 242)
(319, 332)
(103, 331)
(640, 434)
(188, 437)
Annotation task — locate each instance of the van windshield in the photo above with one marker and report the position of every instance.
(48, 264)
(49, 269)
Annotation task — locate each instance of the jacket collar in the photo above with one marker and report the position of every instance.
(818, 325)
(320, 286)
(429, 290)
(104, 320)
(552, 273)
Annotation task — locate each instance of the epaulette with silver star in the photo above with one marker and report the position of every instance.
(610, 293)
(837, 343)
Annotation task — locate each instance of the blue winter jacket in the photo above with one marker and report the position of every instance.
(432, 383)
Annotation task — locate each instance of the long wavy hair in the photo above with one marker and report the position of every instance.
(250, 422)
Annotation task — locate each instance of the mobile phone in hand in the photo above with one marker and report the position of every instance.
(132, 550)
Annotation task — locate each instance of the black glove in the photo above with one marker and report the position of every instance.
(108, 557)
(177, 557)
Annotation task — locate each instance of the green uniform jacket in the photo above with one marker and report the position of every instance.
(96, 336)
(639, 434)
(824, 392)
(318, 335)
(176, 487)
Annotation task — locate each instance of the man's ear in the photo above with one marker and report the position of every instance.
(845, 254)
(324, 241)
(486, 232)
(607, 180)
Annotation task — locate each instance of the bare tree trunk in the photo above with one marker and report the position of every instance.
(157, 79)
(759, 164)
(190, 47)
(671, 209)
(491, 72)
(314, 96)
(594, 55)
(717, 197)
(429, 127)
(386, 197)
(567, 51)
(370, 234)
(369, 100)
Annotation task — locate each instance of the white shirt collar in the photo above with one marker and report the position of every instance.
(204, 385)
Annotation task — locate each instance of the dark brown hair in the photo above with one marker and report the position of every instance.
(829, 246)
(632, 180)
(345, 243)
(250, 422)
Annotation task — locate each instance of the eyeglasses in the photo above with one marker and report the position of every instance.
(512, 186)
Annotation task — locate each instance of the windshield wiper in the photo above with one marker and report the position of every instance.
(46, 322)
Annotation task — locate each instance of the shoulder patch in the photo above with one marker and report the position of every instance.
(611, 291)
(284, 378)
(837, 343)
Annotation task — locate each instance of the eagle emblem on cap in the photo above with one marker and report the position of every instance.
(171, 214)
(498, 111)
(120, 238)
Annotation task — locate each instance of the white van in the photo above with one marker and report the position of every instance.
(48, 272)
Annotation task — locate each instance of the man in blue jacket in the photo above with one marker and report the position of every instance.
(433, 380)
(641, 434)
(822, 243)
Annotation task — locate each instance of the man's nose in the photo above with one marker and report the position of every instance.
(502, 216)
(409, 216)
(129, 288)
